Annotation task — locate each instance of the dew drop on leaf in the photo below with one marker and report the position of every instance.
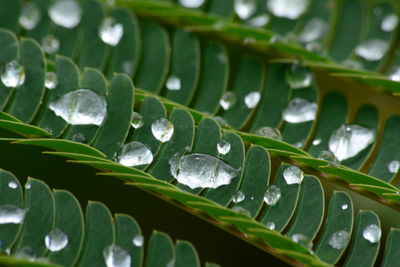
(11, 214)
(111, 32)
(299, 110)
(135, 154)
(290, 9)
(65, 13)
(13, 74)
(30, 15)
(115, 256)
(162, 129)
(56, 240)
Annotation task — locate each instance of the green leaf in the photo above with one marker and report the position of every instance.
(160, 250)
(186, 255)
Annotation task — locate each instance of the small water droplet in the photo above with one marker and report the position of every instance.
(349, 140)
(135, 154)
(30, 15)
(313, 30)
(390, 23)
(49, 130)
(293, 175)
(313, 47)
(269, 133)
(272, 195)
(136, 120)
(339, 239)
(12, 185)
(372, 233)
(316, 142)
(28, 185)
(344, 207)
(79, 138)
(299, 110)
(26, 253)
(110, 31)
(353, 64)
(227, 100)
(238, 197)
(81, 107)
(302, 240)
(251, 99)
(299, 144)
(56, 240)
(65, 13)
(245, 8)
(298, 76)
(372, 49)
(138, 240)
(171, 263)
(50, 81)
(270, 225)
(223, 147)
(127, 67)
(191, 3)
(259, 21)
(8, 251)
(249, 40)
(201, 170)
(219, 25)
(162, 129)
(394, 166)
(394, 74)
(241, 210)
(50, 44)
(115, 256)
(290, 9)
(330, 157)
(13, 74)
(222, 58)
(11, 214)
(221, 121)
(173, 83)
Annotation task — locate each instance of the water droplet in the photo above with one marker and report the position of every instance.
(339, 239)
(330, 157)
(394, 74)
(30, 15)
(293, 175)
(245, 8)
(394, 166)
(372, 233)
(316, 142)
(136, 120)
(259, 21)
(344, 207)
(251, 99)
(223, 147)
(12, 185)
(313, 30)
(270, 225)
(222, 58)
(28, 186)
(372, 49)
(26, 253)
(249, 40)
(171, 263)
(269, 133)
(221, 121)
(8, 251)
(138, 240)
(127, 67)
(51, 80)
(227, 100)
(50, 44)
(110, 31)
(173, 83)
(65, 13)
(219, 25)
(353, 64)
(298, 76)
(79, 138)
(238, 197)
(241, 210)
(390, 23)
(313, 47)
(299, 110)
(302, 240)
(299, 144)
(135, 154)
(291, 9)
(13, 74)
(11, 214)
(81, 107)
(191, 3)
(349, 140)
(115, 256)
(56, 240)
(272, 195)
(162, 129)
(200, 170)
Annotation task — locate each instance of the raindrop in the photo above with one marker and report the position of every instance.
(291, 9)
(50, 81)
(227, 100)
(135, 154)
(249, 40)
(344, 207)
(13, 74)
(81, 107)
(316, 142)
(65, 13)
(394, 166)
(173, 83)
(223, 147)
(372, 49)
(353, 64)
(313, 47)
(259, 21)
(56, 240)
(302, 240)
(251, 99)
(270, 225)
(49, 130)
(115, 256)
(171, 263)
(330, 157)
(221, 121)
(191, 3)
(269, 133)
(79, 138)
(293, 175)
(394, 74)
(127, 67)
(50, 44)
(238, 197)
(28, 186)
(299, 110)
(272, 195)
(349, 140)
(390, 23)
(30, 15)
(162, 129)
(222, 58)
(136, 120)
(245, 8)
(219, 25)
(241, 210)
(27, 253)
(339, 239)
(372, 233)
(200, 170)
(138, 240)
(298, 76)
(12, 185)
(313, 30)
(11, 214)
(110, 31)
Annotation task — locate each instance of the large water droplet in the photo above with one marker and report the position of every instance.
(223, 147)
(162, 129)
(390, 23)
(30, 15)
(65, 13)
(51, 80)
(272, 195)
(200, 170)
(251, 99)
(50, 44)
(339, 239)
(270, 225)
(302, 240)
(269, 133)
(372, 49)
(13, 74)
(349, 140)
(299, 110)
(81, 107)
(191, 3)
(173, 83)
(110, 31)
(56, 240)
(298, 76)
(394, 166)
(293, 175)
(238, 197)
(136, 120)
(11, 214)
(259, 21)
(330, 157)
(394, 74)
(227, 100)
(115, 256)
(245, 8)
(138, 240)
(135, 154)
(372, 233)
(313, 30)
(291, 9)
(12, 185)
